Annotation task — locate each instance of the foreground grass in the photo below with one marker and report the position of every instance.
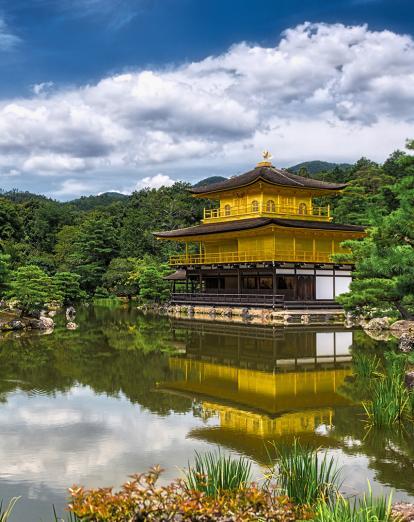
(212, 473)
(304, 475)
(369, 509)
(7, 511)
(391, 400)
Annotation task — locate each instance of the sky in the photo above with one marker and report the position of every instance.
(102, 95)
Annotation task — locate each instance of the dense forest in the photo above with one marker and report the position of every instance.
(103, 245)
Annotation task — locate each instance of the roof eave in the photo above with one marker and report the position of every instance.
(260, 178)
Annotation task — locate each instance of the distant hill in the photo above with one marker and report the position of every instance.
(210, 181)
(313, 167)
(20, 196)
(102, 200)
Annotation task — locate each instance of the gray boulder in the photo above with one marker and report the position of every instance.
(46, 323)
(409, 379)
(406, 343)
(377, 324)
(71, 326)
(13, 325)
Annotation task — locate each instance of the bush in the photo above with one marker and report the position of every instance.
(141, 499)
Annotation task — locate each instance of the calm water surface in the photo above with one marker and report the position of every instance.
(125, 392)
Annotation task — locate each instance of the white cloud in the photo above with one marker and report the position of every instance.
(8, 40)
(323, 91)
(157, 181)
(72, 187)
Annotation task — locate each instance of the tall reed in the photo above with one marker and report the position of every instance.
(365, 365)
(390, 397)
(304, 476)
(367, 509)
(213, 473)
(6, 513)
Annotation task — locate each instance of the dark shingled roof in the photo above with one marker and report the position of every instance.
(271, 175)
(247, 224)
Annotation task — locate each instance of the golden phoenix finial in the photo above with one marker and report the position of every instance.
(267, 156)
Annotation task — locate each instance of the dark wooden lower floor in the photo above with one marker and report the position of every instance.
(270, 286)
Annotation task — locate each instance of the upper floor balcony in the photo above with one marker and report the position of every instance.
(269, 209)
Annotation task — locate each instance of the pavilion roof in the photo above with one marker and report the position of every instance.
(248, 224)
(270, 174)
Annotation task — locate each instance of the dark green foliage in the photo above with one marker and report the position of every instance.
(316, 166)
(384, 276)
(95, 245)
(11, 226)
(4, 271)
(66, 287)
(118, 279)
(87, 203)
(150, 210)
(30, 287)
(149, 275)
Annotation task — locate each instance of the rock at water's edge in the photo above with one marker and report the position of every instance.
(71, 326)
(404, 511)
(46, 323)
(406, 343)
(409, 380)
(400, 327)
(378, 324)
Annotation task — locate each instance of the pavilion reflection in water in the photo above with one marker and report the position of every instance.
(262, 383)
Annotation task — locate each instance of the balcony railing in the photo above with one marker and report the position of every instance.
(249, 257)
(301, 212)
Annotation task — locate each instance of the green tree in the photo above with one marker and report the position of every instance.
(94, 245)
(11, 226)
(117, 279)
(150, 210)
(4, 271)
(384, 261)
(152, 285)
(66, 288)
(30, 287)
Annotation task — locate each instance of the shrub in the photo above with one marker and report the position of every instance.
(214, 473)
(303, 475)
(141, 499)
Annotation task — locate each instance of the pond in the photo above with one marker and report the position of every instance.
(126, 391)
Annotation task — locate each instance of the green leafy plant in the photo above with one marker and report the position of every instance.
(213, 473)
(304, 475)
(6, 513)
(390, 396)
(365, 365)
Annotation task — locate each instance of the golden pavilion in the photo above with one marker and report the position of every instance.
(266, 243)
